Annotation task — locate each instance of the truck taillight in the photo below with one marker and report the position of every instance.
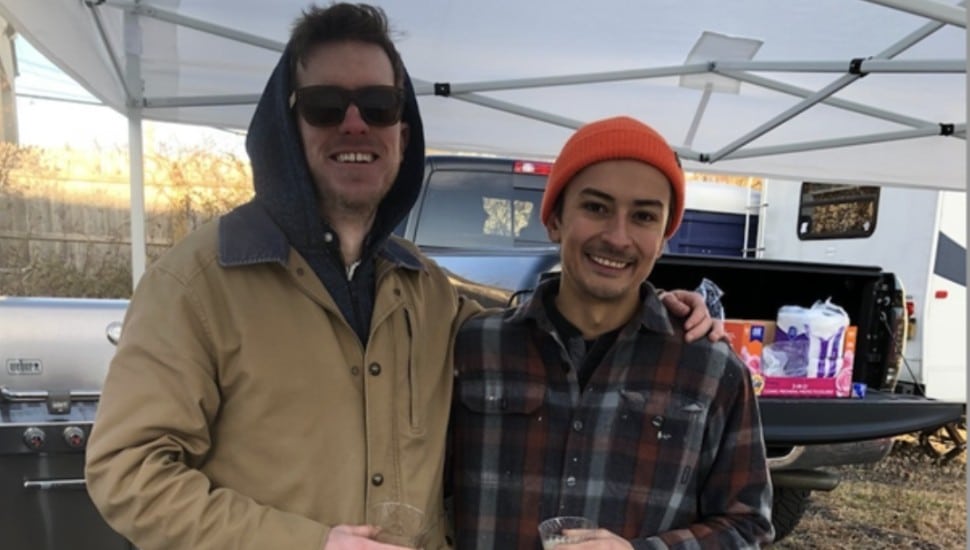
(532, 167)
(910, 318)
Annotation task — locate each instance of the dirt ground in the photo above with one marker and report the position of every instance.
(912, 499)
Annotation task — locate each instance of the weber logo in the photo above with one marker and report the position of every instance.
(24, 366)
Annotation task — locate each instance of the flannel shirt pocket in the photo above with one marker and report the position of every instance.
(674, 419)
(496, 395)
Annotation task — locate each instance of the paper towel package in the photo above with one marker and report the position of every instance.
(756, 342)
(792, 340)
(812, 339)
(827, 324)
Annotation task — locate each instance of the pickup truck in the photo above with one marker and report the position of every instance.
(478, 218)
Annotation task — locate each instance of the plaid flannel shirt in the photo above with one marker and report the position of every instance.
(663, 446)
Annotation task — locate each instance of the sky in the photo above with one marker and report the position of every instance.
(54, 111)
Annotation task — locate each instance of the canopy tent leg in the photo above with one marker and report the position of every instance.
(136, 155)
(137, 172)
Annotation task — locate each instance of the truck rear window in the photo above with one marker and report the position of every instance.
(471, 209)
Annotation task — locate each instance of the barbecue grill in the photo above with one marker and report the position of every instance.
(55, 354)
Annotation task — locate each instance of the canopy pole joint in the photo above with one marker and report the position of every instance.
(946, 129)
(442, 88)
(855, 66)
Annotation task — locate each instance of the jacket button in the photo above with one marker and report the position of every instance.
(377, 480)
(354, 370)
(374, 369)
(578, 425)
(299, 271)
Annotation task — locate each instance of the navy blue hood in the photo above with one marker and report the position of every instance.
(282, 180)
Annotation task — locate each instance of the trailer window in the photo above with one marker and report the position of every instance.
(832, 211)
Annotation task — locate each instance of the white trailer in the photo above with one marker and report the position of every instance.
(918, 234)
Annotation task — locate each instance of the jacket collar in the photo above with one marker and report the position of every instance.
(652, 316)
(248, 236)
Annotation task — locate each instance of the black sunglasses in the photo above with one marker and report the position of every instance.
(327, 105)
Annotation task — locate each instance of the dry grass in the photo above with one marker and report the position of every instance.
(908, 500)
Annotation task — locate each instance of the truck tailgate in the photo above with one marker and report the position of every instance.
(802, 421)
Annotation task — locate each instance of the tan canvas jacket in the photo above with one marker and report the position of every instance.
(241, 411)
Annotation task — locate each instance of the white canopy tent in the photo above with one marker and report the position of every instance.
(842, 91)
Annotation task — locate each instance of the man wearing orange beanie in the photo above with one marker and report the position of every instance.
(585, 400)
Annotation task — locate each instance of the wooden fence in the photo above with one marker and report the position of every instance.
(56, 217)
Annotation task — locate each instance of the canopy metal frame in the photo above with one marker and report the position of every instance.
(139, 106)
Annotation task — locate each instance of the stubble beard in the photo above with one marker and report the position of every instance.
(362, 206)
(603, 293)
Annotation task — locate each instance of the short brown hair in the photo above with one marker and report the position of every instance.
(342, 22)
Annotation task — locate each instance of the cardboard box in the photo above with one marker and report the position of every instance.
(748, 339)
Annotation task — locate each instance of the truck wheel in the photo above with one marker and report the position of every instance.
(788, 505)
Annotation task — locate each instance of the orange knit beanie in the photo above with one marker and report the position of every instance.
(612, 139)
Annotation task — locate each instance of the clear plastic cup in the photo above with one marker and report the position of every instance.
(552, 535)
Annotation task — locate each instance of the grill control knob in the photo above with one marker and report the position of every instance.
(74, 437)
(34, 438)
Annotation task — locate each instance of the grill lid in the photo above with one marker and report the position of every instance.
(59, 346)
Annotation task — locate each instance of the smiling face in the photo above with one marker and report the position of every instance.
(611, 231)
(353, 164)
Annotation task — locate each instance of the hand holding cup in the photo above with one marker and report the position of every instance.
(553, 530)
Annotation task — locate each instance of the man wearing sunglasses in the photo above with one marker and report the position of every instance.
(287, 369)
